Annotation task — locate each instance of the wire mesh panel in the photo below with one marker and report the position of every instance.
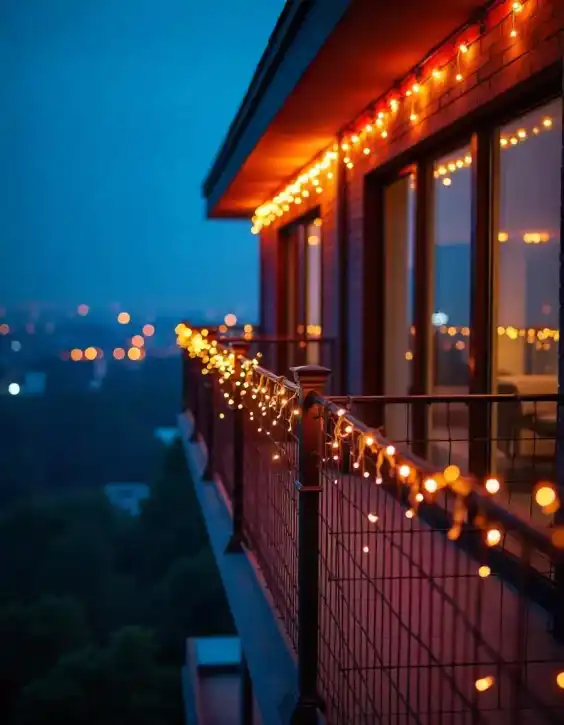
(270, 495)
(223, 434)
(414, 626)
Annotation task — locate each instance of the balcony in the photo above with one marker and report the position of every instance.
(404, 582)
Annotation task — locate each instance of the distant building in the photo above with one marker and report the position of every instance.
(127, 496)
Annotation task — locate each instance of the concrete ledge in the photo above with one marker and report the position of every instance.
(190, 688)
(271, 662)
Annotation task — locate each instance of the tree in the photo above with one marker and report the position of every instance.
(33, 638)
(122, 684)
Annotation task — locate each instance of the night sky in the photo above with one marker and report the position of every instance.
(112, 113)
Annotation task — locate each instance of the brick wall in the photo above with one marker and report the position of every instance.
(494, 65)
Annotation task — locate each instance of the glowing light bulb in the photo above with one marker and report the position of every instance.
(463, 48)
(390, 451)
(517, 7)
(484, 571)
(451, 473)
(492, 485)
(372, 518)
(365, 549)
(560, 680)
(404, 471)
(409, 514)
(484, 683)
(459, 77)
(431, 485)
(545, 495)
(493, 537)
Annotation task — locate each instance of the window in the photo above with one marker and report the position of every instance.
(451, 304)
(526, 296)
(303, 274)
(529, 248)
(399, 207)
(313, 289)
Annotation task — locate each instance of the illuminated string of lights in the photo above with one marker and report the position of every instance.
(271, 404)
(377, 124)
(276, 396)
(445, 169)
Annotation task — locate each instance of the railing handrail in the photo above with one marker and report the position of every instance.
(494, 511)
(448, 398)
(281, 339)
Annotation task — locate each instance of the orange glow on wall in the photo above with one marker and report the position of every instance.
(148, 330)
(76, 354)
(124, 318)
(90, 353)
(134, 353)
(137, 341)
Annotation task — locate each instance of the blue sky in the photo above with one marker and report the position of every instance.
(113, 111)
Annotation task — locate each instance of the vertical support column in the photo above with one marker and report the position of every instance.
(311, 379)
(237, 540)
(481, 362)
(422, 302)
(247, 709)
(558, 623)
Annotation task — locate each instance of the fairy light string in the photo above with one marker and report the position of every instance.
(276, 400)
(378, 123)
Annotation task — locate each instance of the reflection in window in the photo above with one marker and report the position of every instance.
(529, 245)
(399, 208)
(313, 287)
(451, 302)
(527, 296)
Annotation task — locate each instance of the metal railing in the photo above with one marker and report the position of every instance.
(410, 598)
(279, 353)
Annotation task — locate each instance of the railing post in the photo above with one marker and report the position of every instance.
(237, 540)
(195, 397)
(185, 386)
(210, 432)
(311, 379)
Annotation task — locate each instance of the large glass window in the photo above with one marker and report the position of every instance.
(313, 292)
(527, 292)
(303, 313)
(451, 304)
(399, 207)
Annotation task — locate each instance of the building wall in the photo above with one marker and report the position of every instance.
(494, 68)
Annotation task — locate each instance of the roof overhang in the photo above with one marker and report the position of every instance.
(325, 62)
